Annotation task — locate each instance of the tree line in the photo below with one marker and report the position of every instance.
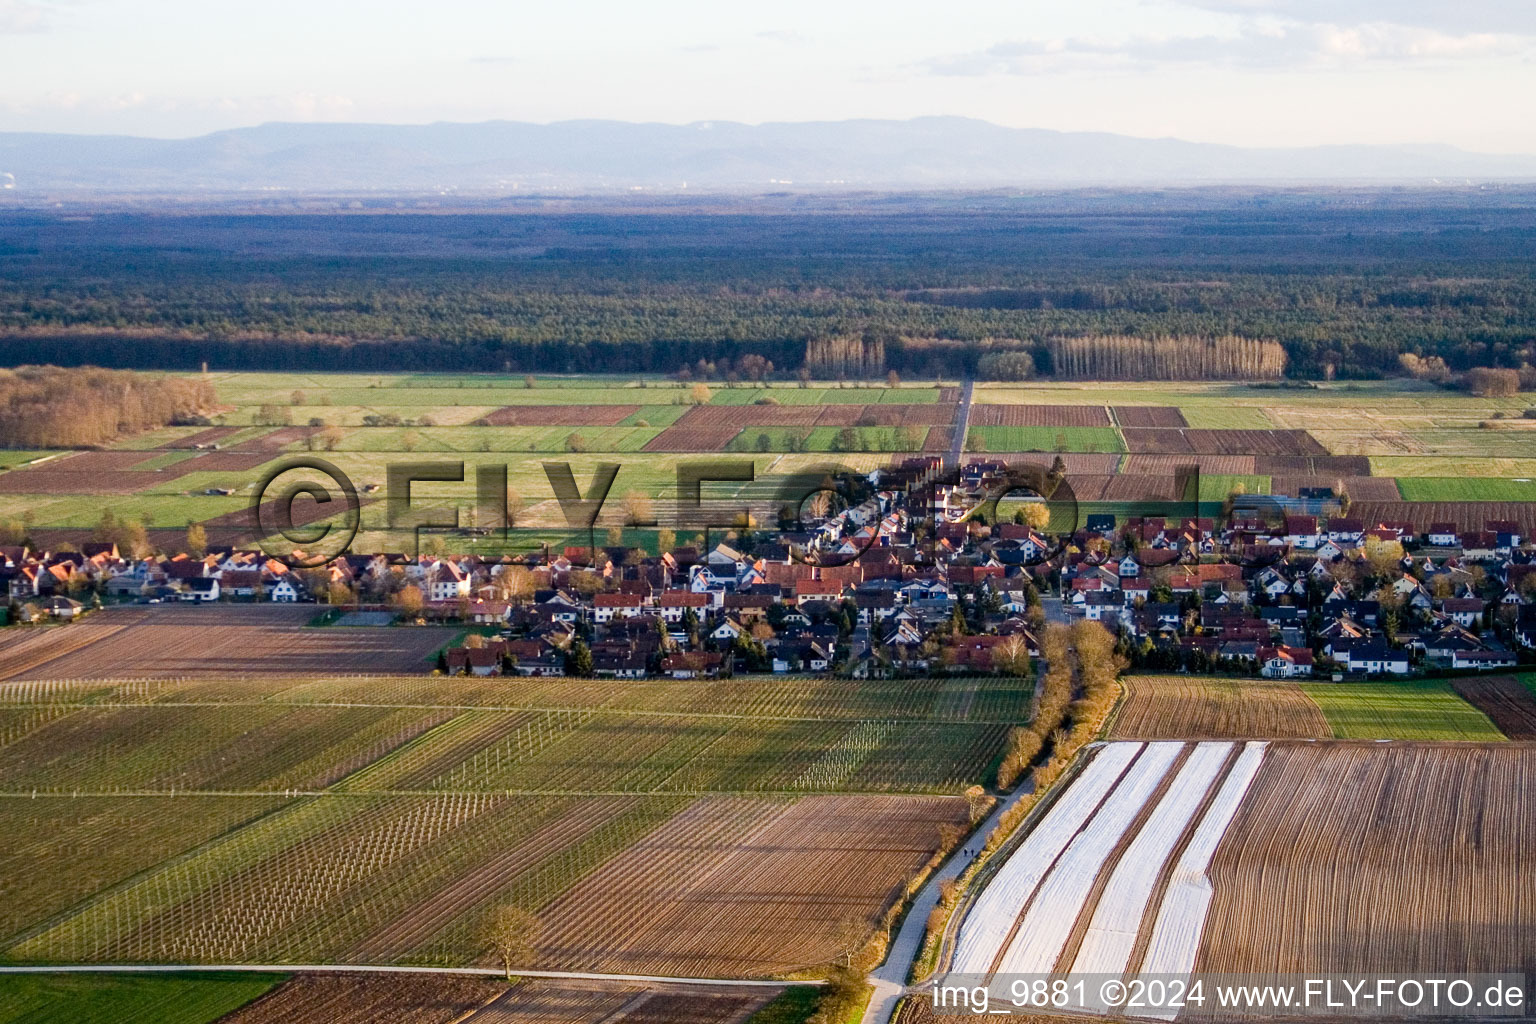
(1118, 357)
(53, 407)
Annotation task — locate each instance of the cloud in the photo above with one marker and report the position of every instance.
(1257, 45)
(784, 35)
(1515, 17)
(20, 16)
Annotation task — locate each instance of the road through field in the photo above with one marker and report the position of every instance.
(962, 425)
(890, 978)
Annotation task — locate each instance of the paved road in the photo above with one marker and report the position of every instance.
(962, 426)
(1055, 610)
(387, 969)
(890, 978)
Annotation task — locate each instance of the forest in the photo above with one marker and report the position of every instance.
(1345, 282)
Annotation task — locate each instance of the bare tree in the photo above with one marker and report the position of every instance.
(637, 509)
(511, 932)
(1011, 657)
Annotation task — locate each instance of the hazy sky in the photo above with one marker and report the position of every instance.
(1252, 72)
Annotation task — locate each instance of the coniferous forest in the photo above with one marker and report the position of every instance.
(1343, 281)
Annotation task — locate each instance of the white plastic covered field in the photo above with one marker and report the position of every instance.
(1150, 815)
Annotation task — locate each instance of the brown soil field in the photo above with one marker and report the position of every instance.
(1176, 707)
(1162, 441)
(919, 1010)
(557, 415)
(1124, 487)
(1232, 465)
(892, 416)
(740, 416)
(1467, 515)
(556, 1001)
(938, 439)
(216, 614)
(1156, 441)
(1039, 416)
(1091, 463)
(1312, 465)
(1149, 416)
(1135, 487)
(82, 473)
(112, 472)
(678, 438)
(1379, 858)
(169, 642)
(217, 462)
(1254, 442)
(1504, 699)
(371, 999)
(732, 887)
(23, 651)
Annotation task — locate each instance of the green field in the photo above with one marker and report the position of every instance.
(1216, 487)
(1466, 488)
(188, 998)
(654, 416)
(1044, 439)
(793, 1006)
(10, 458)
(1424, 709)
(1231, 417)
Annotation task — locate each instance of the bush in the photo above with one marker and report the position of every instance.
(1006, 366)
(1489, 382)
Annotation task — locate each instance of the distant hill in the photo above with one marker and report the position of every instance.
(934, 152)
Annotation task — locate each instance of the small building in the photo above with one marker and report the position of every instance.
(1284, 662)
